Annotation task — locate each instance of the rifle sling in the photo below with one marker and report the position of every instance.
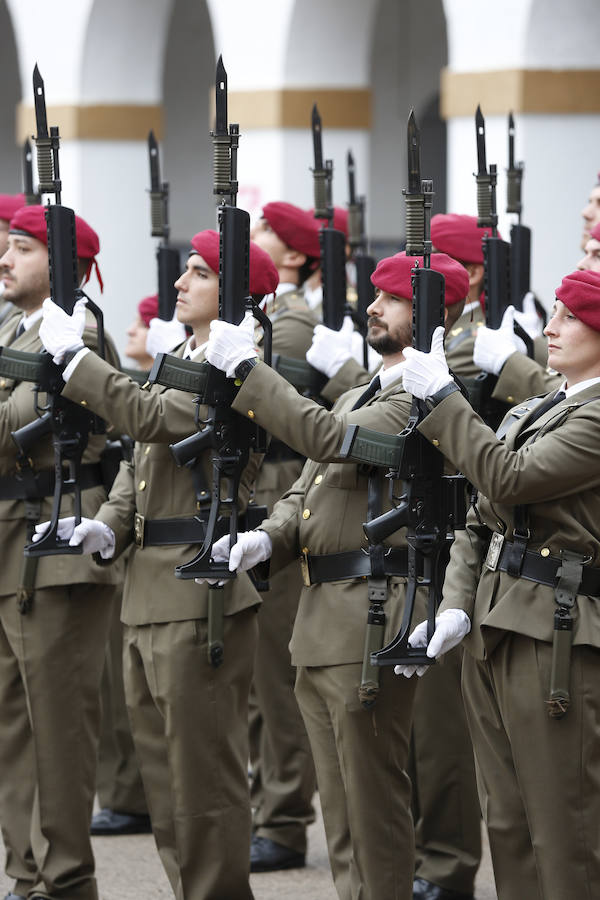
(31, 485)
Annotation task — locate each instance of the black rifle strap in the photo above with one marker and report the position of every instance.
(377, 596)
(29, 564)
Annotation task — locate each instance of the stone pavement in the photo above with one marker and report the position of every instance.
(128, 868)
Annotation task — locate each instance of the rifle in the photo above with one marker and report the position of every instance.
(496, 259)
(364, 264)
(332, 241)
(68, 422)
(520, 235)
(226, 433)
(167, 257)
(431, 504)
(31, 197)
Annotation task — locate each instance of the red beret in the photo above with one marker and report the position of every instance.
(32, 221)
(148, 309)
(264, 277)
(595, 232)
(394, 275)
(340, 219)
(580, 292)
(459, 236)
(294, 226)
(9, 204)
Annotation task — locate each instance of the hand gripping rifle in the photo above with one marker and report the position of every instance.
(364, 264)
(167, 257)
(496, 260)
(520, 235)
(431, 504)
(68, 422)
(226, 433)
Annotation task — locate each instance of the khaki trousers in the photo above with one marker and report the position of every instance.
(538, 778)
(59, 649)
(118, 782)
(190, 728)
(283, 774)
(442, 769)
(360, 758)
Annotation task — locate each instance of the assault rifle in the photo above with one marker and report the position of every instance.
(68, 422)
(496, 260)
(364, 264)
(520, 235)
(167, 257)
(431, 504)
(226, 433)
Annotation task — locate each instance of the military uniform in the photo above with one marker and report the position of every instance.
(521, 377)
(189, 719)
(283, 778)
(536, 775)
(360, 755)
(51, 661)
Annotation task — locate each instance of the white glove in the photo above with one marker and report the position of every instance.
(425, 374)
(228, 345)
(60, 333)
(93, 535)
(493, 346)
(164, 336)
(251, 548)
(529, 318)
(451, 626)
(330, 349)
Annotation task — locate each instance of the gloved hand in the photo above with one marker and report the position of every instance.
(93, 535)
(529, 318)
(425, 374)
(164, 336)
(251, 548)
(451, 626)
(493, 346)
(59, 332)
(228, 345)
(330, 349)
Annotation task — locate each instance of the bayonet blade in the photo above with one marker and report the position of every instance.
(221, 98)
(351, 183)
(480, 132)
(27, 169)
(414, 155)
(40, 104)
(511, 141)
(154, 162)
(317, 142)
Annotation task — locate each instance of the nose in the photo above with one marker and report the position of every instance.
(581, 265)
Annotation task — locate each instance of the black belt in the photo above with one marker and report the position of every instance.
(277, 451)
(543, 569)
(31, 485)
(156, 532)
(350, 564)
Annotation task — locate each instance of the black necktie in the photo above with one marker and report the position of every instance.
(20, 328)
(371, 390)
(537, 412)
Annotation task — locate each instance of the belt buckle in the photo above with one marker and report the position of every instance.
(304, 567)
(494, 550)
(138, 530)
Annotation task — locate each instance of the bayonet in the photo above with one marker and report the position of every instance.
(169, 267)
(520, 235)
(46, 143)
(486, 181)
(414, 193)
(31, 197)
(514, 173)
(225, 143)
(322, 175)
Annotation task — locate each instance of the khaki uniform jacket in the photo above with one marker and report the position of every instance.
(325, 508)
(156, 488)
(16, 410)
(521, 377)
(556, 473)
(460, 340)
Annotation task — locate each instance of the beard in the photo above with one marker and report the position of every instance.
(390, 342)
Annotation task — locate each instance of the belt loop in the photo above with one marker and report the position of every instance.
(305, 567)
(138, 530)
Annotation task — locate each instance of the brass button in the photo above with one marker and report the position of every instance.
(306, 514)
(250, 413)
(435, 442)
(84, 402)
(545, 551)
(147, 450)
(318, 479)
(142, 486)
(510, 399)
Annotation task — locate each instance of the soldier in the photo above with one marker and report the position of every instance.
(52, 641)
(591, 213)
(522, 588)
(9, 204)
(189, 719)
(360, 754)
(591, 260)
(283, 777)
(137, 333)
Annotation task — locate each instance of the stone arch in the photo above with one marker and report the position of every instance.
(10, 95)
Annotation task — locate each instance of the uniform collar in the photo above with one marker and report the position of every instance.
(389, 376)
(580, 386)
